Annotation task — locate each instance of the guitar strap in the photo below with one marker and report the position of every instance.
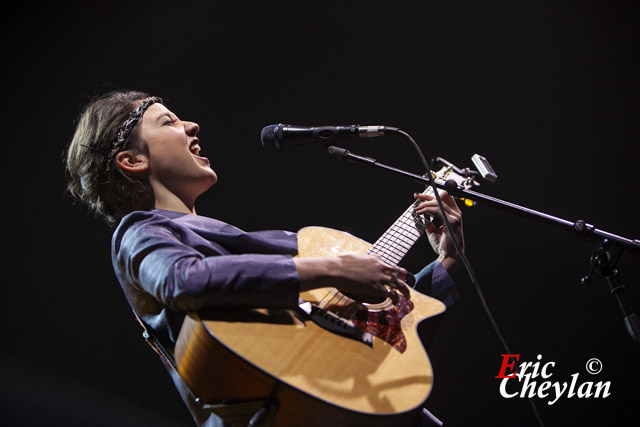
(252, 414)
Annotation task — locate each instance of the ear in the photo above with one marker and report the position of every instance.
(132, 162)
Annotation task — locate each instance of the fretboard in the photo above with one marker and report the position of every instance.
(394, 244)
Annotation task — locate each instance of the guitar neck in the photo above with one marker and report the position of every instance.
(394, 244)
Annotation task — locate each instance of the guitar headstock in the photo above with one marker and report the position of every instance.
(464, 178)
(448, 172)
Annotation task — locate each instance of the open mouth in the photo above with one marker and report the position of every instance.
(194, 147)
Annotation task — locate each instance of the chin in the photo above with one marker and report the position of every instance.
(214, 177)
(204, 181)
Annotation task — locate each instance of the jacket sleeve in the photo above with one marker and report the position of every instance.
(434, 280)
(151, 256)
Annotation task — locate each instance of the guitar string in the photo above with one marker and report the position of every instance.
(401, 239)
(399, 231)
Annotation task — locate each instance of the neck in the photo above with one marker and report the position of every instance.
(171, 202)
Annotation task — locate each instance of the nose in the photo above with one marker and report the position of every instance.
(191, 128)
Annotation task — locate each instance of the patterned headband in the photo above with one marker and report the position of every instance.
(127, 126)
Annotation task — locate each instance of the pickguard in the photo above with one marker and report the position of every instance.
(386, 324)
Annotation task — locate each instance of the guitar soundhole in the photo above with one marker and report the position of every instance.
(366, 299)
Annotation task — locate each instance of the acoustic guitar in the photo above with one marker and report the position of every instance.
(338, 360)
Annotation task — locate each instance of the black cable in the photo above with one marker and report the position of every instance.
(465, 261)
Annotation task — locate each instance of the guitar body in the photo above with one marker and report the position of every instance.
(315, 377)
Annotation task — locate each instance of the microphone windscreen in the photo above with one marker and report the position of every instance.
(268, 137)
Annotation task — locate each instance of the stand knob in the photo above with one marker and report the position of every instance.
(586, 280)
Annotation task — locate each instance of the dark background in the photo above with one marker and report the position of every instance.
(547, 91)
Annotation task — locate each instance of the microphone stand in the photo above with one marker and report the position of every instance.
(603, 260)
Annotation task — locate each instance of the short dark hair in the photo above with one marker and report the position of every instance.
(109, 191)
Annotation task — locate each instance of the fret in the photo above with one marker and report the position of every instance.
(400, 247)
(404, 242)
(399, 238)
(406, 228)
(401, 243)
(393, 260)
(396, 242)
(388, 252)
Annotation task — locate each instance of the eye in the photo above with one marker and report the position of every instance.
(168, 122)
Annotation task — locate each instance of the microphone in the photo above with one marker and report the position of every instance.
(280, 136)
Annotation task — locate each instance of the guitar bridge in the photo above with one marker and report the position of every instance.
(334, 323)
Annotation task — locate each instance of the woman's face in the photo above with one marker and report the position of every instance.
(172, 149)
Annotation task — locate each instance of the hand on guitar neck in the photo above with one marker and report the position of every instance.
(359, 274)
(439, 237)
